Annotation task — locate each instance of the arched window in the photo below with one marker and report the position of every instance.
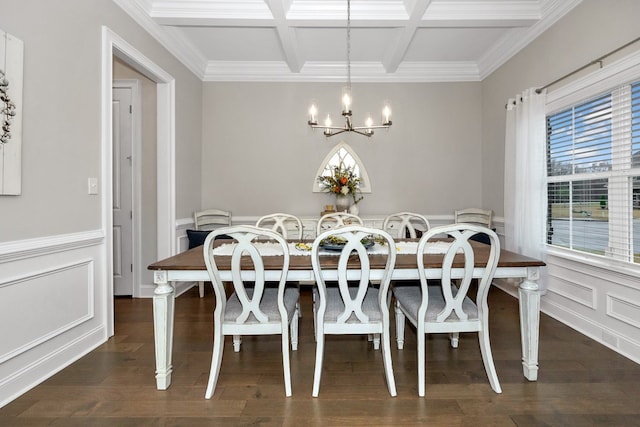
(345, 154)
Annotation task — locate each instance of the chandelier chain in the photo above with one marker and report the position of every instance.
(349, 44)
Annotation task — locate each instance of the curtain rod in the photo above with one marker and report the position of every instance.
(595, 61)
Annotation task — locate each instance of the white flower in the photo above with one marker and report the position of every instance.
(344, 190)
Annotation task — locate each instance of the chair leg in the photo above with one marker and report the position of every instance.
(286, 366)
(454, 337)
(216, 361)
(201, 289)
(399, 327)
(388, 366)
(421, 362)
(294, 332)
(318, 370)
(376, 341)
(237, 340)
(314, 309)
(487, 359)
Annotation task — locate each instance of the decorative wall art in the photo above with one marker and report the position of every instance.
(11, 56)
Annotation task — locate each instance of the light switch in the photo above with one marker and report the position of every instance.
(93, 185)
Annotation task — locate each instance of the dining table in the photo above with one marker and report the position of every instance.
(189, 266)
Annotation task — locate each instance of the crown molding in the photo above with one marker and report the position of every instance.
(518, 38)
(207, 9)
(371, 72)
(502, 13)
(171, 39)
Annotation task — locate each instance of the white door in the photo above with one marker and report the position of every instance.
(122, 193)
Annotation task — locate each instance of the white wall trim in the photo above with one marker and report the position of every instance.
(34, 275)
(30, 248)
(28, 376)
(607, 336)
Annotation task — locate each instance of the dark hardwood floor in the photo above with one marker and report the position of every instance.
(581, 383)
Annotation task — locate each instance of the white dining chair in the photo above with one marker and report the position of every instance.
(282, 223)
(354, 306)
(337, 219)
(252, 308)
(208, 220)
(403, 223)
(448, 307)
(474, 216)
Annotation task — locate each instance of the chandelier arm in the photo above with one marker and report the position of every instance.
(342, 128)
(371, 127)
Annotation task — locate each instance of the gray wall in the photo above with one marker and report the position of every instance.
(61, 126)
(259, 156)
(591, 30)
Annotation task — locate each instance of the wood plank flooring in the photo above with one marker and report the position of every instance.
(581, 382)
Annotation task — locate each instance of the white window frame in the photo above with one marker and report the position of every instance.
(365, 183)
(605, 80)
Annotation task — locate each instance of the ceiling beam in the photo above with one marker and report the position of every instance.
(286, 35)
(396, 54)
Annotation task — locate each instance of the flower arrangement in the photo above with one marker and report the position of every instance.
(342, 180)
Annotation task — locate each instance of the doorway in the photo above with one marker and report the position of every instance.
(114, 45)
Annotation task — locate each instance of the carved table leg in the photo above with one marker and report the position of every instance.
(530, 323)
(163, 304)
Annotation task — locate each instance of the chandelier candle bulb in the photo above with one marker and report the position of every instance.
(313, 114)
(386, 114)
(346, 101)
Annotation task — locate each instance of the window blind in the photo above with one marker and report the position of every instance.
(593, 169)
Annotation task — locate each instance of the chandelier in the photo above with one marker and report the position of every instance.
(367, 129)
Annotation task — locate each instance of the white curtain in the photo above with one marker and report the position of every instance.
(525, 192)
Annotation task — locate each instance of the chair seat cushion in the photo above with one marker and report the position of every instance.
(268, 305)
(335, 305)
(409, 297)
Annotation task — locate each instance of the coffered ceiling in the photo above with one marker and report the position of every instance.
(306, 40)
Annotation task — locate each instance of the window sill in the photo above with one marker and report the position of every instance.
(602, 262)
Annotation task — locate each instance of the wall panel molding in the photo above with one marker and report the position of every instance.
(22, 249)
(53, 303)
(44, 289)
(623, 309)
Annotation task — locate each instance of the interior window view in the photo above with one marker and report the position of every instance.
(319, 213)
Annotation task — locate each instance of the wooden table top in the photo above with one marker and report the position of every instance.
(193, 259)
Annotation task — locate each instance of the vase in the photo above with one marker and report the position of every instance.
(342, 203)
(354, 210)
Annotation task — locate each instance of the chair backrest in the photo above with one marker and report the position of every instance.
(474, 216)
(246, 241)
(349, 270)
(455, 283)
(282, 223)
(337, 219)
(402, 223)
(211, 219)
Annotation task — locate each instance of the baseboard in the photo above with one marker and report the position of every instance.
(586, 326)
(45, 367)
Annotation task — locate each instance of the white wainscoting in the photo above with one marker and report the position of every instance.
(599, 300)
(53, 302)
